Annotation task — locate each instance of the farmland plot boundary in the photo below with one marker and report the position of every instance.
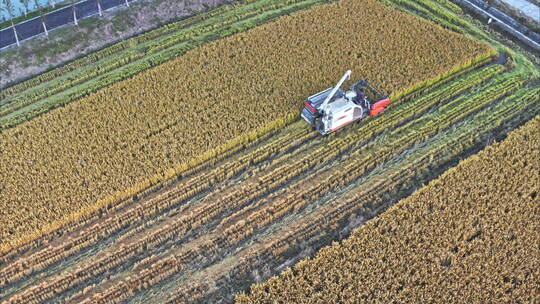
(445, 91)
(114, 136)
(452, 89)
(224, 252)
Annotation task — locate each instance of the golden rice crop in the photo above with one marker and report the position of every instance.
(235, 196)
(111, 142)
(469, 236)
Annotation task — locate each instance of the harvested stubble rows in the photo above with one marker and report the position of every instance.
(141, 253)
(181, 224)
(372, 195)
(119, 140)
(470, 235)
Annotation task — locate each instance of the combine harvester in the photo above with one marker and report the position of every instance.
(334, 108)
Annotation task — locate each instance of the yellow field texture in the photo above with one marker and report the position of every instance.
(112, 142)
(470, 236)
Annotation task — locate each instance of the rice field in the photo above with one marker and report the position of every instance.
(192, 177)
(466, 236)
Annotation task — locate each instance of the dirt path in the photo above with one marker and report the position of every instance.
(69, 42)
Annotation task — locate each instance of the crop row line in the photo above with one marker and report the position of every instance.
(212, 209)
(229, 235)
(452, 111)
(179, 193)
(372, 195)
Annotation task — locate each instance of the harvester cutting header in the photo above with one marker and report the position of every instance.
(334, 108)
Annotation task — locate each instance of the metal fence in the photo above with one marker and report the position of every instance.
(55, 19)
(504, 21)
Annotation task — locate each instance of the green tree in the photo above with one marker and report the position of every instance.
(26, 4)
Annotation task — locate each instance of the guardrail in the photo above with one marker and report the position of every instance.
(52, 20)
(504, 21)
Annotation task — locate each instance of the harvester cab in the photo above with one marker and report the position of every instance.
(335, 108)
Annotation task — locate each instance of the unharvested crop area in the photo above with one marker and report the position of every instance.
(469, 236)
(120, 139)
(181, 207)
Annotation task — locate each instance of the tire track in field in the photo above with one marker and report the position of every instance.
(214, 244)
(339, 153)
